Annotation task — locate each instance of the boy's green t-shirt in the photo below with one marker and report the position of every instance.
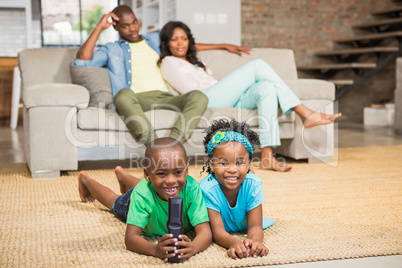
(150, 213)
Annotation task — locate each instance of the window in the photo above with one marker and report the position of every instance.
(69, 22)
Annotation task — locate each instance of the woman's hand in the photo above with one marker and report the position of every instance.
(257, 249)
(238, 250)
(163, 248)
(237, 49)
(187, 247)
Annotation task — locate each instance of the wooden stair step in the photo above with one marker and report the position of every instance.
(353, 65)
(357, 51)
(341, 82)
(393, 21)
(388, 11)
(368, 37)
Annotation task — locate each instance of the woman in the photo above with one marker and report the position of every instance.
(255, 85)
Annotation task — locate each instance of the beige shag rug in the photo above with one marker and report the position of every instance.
(351, 208)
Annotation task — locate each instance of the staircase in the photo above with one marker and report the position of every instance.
(363, 55)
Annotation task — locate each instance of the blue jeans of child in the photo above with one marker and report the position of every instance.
(121, 205)
(255, 85)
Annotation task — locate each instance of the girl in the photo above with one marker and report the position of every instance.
(255, 85)
(233, 195)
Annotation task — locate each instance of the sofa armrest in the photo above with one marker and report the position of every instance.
(307, 89)
(56, 94)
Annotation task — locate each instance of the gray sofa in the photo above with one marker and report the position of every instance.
(60, 128)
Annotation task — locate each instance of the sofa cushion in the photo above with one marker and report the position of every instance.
(96, 81)
(45, 65)
(222, 62)
(250, 116)
(312, 89)
(94, 118)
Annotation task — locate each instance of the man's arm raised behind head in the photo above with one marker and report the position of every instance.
(86, 50)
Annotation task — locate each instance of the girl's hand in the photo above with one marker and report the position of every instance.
(163, 248)
(187, 247)
(238, 250)
(257, 249)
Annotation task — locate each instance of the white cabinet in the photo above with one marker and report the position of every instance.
(211, 21)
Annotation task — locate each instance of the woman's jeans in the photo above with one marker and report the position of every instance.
(255, 85)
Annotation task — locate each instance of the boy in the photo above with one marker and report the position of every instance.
(145, 206)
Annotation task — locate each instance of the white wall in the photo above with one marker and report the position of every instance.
(212, 21)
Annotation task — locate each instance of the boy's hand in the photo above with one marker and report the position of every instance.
(257, 249)
(238, 250)
(187, 247)
(163, 248)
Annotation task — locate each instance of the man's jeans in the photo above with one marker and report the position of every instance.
(132, 107)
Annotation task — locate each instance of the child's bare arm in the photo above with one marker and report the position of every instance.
(236, 247)
(255, 233)
(201, 241)
(136, 243)
(254, 224)
(203, 238)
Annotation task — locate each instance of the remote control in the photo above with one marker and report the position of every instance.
(175, 222)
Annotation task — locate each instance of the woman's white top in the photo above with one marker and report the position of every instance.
(184, 76)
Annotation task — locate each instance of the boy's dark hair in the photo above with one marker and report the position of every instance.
(165, 36)
(225, 125)
(160, 144)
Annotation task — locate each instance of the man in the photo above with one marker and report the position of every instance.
(137, 84)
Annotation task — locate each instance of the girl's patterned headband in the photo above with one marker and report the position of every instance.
(221, 137)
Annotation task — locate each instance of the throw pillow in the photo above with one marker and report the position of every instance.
(97, 81)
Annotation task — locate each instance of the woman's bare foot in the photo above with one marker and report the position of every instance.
(312, 119)
(317, 119)
(126, 180)
(85, 194)
(269, 162)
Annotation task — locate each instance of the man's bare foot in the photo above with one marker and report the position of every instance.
(85, 194)
(312, 119)
(275, 165)
(317, 119)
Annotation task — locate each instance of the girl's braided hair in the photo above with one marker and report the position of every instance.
(225, 125)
